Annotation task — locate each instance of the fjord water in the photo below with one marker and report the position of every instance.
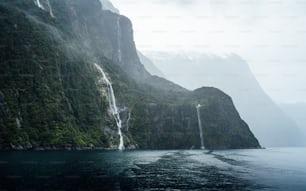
(266, 169)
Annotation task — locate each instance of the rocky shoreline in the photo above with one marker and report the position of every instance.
(62, 148)
(70, 148)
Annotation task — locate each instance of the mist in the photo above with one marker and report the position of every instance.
(269, 35)
(152, 95)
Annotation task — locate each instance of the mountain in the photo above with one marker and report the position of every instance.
(231, 74)
(297, 112)
(107, 5)
(150, 66)
(70, 76)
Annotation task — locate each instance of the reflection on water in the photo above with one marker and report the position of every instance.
(269, 169)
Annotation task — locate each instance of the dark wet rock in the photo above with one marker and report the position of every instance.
(1, 97)
(2, 104)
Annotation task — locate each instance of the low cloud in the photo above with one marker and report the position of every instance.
(270, 35)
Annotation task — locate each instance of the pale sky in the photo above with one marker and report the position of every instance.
(269, 34)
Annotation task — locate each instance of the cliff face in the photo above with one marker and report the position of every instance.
(176, 125)
(149, 65)
(52, 94)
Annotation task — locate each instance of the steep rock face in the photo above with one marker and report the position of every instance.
(221, 121)
(46, 83)
(149, 65)
(2, 105)
(176, 125)
(55, 97)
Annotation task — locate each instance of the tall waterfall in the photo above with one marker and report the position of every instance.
(200, 126)
(19, 120)
(50, 9)
(128, 122)
(119, 39)
(112, 105)
(37, 2)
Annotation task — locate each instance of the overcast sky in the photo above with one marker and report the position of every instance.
(269, 34)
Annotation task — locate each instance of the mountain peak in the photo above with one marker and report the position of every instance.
(107, 5)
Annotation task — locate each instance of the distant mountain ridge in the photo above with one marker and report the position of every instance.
(232, 75)
(149, 65)
(297, 111)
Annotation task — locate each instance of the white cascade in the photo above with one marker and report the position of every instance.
(18, 122)
(112, 105)
(37, 2)
(128, 122)
(200, 126)
(50, 9)
(119, 40)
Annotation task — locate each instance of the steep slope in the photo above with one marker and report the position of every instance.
(232, 75)
(149, 65)
(107, 5)
(297, 112)
(54, 95)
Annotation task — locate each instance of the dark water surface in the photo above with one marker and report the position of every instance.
(269, 169)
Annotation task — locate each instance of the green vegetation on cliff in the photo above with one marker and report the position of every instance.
(50, 93)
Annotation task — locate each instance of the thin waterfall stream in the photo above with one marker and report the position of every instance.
(200, 126)
(112, 105)
(119, 40)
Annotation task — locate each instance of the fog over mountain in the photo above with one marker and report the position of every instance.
(269, 35)
(77, 81)
(149, 65)
(297, 112)
(170, 99)
(107, 5)
(232, 75)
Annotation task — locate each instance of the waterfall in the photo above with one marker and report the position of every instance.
(119, 40)
(18, 122)
(50, 9)
(200, 126)
(112, 105)
(37, 2)
(128, 122)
